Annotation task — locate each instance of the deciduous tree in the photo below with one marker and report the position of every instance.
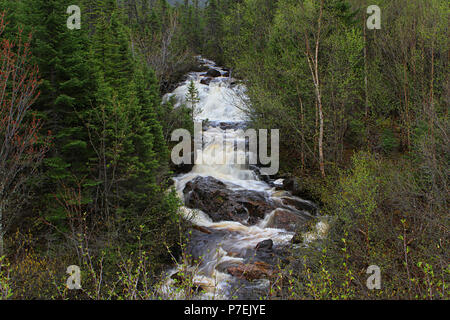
(21, 147)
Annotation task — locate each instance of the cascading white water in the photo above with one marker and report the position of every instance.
(221, 102)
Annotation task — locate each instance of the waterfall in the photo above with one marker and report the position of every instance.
(232, 243)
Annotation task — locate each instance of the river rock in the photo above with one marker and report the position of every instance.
(288, 220)
(252, 271)
(221, 204)
(265, 251)
(265, 245)
(300, 204)
(206, 81)
(213, 73)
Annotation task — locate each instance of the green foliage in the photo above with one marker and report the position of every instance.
(5, 289)
(384, 96)
(108, 168)
(358, 190)
(174, 118)
(389, 142)
(193, 99)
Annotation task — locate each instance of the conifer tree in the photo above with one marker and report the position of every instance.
(68, 89)
(193, 99)
(142, 154)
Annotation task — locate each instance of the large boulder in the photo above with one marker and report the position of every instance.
(288, 220)
(221, 204)
(213, 73)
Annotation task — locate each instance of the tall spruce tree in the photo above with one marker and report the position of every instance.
(143, 153)
(67, 90)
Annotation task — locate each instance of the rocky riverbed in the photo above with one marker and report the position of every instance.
(243, 223)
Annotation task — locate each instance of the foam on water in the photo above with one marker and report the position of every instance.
(223, 102)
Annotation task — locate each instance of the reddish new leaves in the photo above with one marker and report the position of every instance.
(21, 147)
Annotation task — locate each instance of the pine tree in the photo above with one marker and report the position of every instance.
(142, 155)
(68, 89)
(193, 99)
(213, 29)
(111, 45)
(152, 113)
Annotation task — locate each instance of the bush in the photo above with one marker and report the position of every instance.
(383, 218)
(389, 142)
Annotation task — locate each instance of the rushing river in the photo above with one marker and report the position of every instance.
(225, 247)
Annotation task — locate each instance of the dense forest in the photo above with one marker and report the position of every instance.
(85, 168)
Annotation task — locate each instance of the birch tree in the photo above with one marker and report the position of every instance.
(312, 55)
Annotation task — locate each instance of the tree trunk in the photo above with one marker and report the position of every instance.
(321, 161)
(313, 63)
(318, 93)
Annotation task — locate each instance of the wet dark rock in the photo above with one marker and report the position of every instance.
(288, 220)
(300, 204)
(265, 245)
(248, 290)
(265, 252)
(206, 81)
(226, 74)
(213, 73)
(221, 204)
